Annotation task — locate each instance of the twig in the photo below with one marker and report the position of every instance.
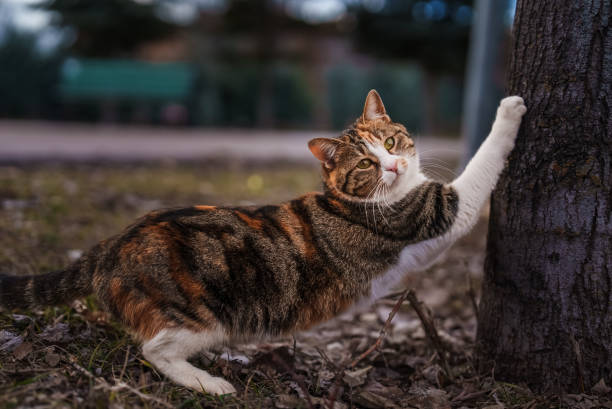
(328, 360)
(333, 395)
(579, 362)
(119, 385)
(393, 296)
(246, 388)
(431, 332)
(472, 294)
(384, 329)
(122, 385)
(125, 361)
(298, 379)
(339, 370)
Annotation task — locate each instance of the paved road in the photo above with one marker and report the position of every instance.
(42, 141)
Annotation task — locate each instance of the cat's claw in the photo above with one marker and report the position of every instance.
(512, 108)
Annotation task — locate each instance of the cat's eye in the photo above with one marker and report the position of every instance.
(364, 163)
(389, 143)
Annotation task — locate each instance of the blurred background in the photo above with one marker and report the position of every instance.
(268, 64)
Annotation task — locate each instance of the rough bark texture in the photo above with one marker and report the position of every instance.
(546, 311)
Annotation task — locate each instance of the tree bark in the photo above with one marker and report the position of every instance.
(546, 311)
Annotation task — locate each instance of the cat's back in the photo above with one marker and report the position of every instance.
(231, 262)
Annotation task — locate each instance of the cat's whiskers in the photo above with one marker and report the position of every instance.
(434, 161)
(377, 200)
(369, 196)
(433, 168)
(381, 201)
(374, 202)
(429, 163)
(385, 200)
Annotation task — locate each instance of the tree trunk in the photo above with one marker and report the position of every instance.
(546, 311)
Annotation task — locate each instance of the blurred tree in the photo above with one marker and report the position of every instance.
(433, 33)
(255, 43)
(546, 311)
(109, 28)
(28, 77)
(264, 24)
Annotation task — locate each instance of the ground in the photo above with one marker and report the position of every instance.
(76, 356)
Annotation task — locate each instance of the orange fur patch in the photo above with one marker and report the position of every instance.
(337, 205)
(365, 135)
(205, 207)
(290, 225)
(303, 230)
(192, 288)
(325, 306)
(250, 221)
(141, 315)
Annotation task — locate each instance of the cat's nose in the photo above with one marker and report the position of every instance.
(391, 167)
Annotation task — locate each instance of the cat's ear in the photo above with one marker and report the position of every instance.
(374, 108)
(324, 149)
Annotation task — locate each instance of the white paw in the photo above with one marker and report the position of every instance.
(217, 386)
(512, 108)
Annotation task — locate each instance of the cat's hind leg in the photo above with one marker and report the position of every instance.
(169, 350)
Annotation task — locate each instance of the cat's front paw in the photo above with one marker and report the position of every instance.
(217, 386)
(511, 108)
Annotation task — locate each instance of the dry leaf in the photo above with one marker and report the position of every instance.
(56, 333)
(287, 402)
(373, 401)
(429, 398)
(9, 341)
(51, 358)
(22, 350)
(601, 388)
(324, 403)
(356, 378)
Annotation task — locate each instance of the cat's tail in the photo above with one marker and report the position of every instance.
(56, 287)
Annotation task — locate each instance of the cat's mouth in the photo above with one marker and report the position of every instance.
(390, 178)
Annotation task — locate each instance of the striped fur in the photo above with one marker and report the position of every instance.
(52, 288)
(267, 270)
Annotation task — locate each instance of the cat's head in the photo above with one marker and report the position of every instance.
(373, 160)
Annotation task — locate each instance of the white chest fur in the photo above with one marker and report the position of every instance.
(473, 188)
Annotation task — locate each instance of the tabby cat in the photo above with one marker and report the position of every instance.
(184, 280)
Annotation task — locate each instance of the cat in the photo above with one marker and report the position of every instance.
(187, 279)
